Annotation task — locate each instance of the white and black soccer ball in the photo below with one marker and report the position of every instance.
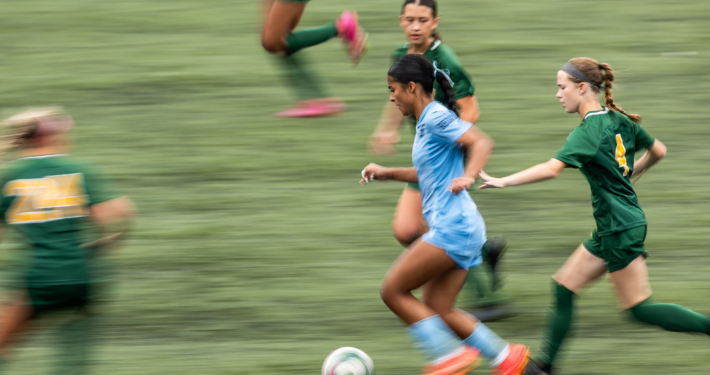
(348, 361)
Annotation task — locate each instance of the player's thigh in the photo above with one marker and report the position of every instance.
(14, 318)
(282, 18)
(632, 283)
(417, 265)
(408, 223)
(580, 269)
(440, 292)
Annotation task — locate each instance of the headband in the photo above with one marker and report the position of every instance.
(445, 72)
(576, 73)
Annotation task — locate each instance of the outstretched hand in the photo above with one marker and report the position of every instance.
(373, 172)
(382, 143)
(490, 182)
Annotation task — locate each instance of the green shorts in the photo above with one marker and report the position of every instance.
(618, 249)
(412, 185)
(58, 297)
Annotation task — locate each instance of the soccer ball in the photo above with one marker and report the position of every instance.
(348, 361)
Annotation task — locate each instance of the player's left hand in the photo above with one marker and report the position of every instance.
(460, 183)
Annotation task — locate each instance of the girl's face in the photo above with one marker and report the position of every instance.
(418, 23)
(402, 95)
(568, 92)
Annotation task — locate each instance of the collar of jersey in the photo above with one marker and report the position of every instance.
(602, 111)
(436, 43)
(41, 156)
(425, 111)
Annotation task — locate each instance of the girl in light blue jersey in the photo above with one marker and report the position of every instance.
(439, 261)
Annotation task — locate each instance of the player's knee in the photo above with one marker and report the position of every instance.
(272, 45)
(387, 292)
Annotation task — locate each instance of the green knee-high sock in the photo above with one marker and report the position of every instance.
(77, 340)
(300, 39)
(671, 317)
(476, 283)
(559, 320)
(306, 84)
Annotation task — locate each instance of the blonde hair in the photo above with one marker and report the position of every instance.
(601, 74)
(20, 127)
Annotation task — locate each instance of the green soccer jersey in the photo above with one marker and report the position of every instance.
(446, 60)
(603, 148)
(47, 199)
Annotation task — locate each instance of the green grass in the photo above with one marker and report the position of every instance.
(257, 252)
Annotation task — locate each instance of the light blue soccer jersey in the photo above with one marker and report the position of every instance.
(455, 224)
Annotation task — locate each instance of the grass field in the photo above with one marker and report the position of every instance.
(257, 252)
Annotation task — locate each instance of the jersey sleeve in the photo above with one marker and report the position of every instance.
(463, 85)
(97, 186)
(447, 126)
(643, 139)
(579, 148)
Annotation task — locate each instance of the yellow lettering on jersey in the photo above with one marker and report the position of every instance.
(43, 199)
(621, 154)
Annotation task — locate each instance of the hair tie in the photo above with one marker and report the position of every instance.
(600, 66)
(445, 72)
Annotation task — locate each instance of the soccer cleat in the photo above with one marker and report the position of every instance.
(314, 108)
(459, 364)
(515, 362)
(352, 34)
(532, 368)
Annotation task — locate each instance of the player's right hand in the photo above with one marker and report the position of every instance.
(373, 172)
(490, 182)
(382, 143)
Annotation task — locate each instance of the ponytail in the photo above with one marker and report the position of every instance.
(444, 83)
(418, 69)
(598, 75)
(608, 75)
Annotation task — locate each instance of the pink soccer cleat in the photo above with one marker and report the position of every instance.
(314, 108)
(353, 35)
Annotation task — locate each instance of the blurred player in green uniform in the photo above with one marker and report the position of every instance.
(56, 204)
(603, 147)
(278, 37)
(419, 21)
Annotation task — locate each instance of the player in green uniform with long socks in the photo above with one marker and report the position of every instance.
(278, 37)
(56, 204)
(603, 147)
(419, 21)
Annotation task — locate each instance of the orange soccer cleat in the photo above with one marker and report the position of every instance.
(515, 362)
(460, 363)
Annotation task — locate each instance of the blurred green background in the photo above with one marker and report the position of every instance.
(256, 250)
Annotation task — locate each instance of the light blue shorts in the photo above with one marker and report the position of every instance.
(462, 242)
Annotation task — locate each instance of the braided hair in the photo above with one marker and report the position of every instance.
(601, 74)
(418, 69)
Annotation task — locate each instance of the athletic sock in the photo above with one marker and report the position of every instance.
(298, 40)
(485, 340)
(559, 320)
(305, 83)
(433, 337)
(674, 318)
(76, 343)
(476, 282)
